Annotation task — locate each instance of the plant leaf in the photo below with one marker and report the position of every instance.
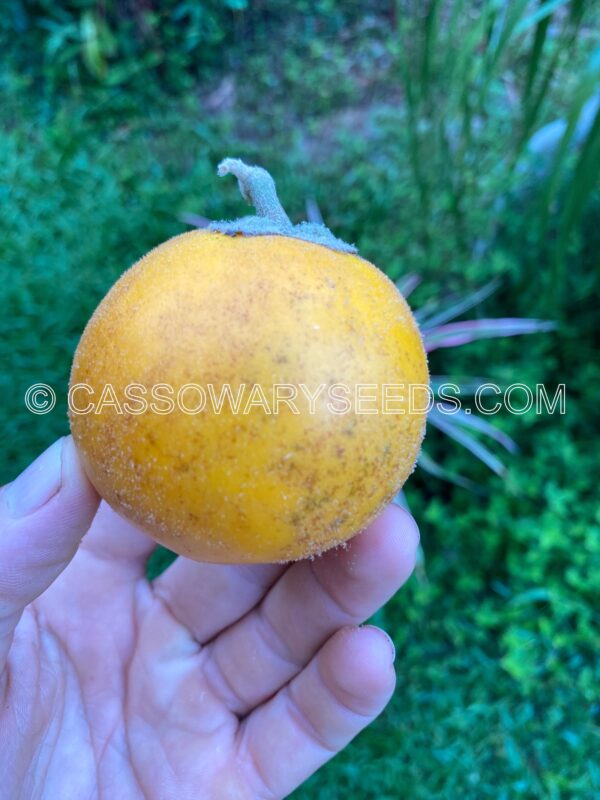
(445, 424)
(433, 468)
(407, 284)
(544, 11)
(313, 212)
(194, 219)
(455, 334)
(430, 307)
(476, 423)
(586, 88)
(584, 179)
(467, 384)
(460, 306)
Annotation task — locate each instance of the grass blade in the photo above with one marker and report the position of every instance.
(407, 284)
(430, 45)
(193, 219)
(433, 468)
(532, 104)
(543, 14)
(585, 176)
(313, 212)
(468, 385)
(483, 426)
(458, 333)
(446, 424)
(460, 306)
(587, 86)
(535, 56)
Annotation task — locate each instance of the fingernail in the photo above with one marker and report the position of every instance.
(392, 645)
(37, 484)
(388, 637)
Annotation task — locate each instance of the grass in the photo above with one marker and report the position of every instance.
(418, 152)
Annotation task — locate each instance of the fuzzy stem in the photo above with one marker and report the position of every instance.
(257, 188)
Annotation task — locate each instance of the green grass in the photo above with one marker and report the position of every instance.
(497, 663)
(412, 153)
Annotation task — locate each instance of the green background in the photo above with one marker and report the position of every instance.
(410, 125)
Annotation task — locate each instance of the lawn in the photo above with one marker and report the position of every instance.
(411, 129)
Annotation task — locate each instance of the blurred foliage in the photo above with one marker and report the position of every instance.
(113, 42)
(455, 140)
(496, 640)
(116, 42)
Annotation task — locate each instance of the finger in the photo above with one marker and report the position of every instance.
(248, 662)
(347, 684)
(113, 539)
(206, 598)
(43, 515)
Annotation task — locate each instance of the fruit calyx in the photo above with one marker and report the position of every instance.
(258, 188)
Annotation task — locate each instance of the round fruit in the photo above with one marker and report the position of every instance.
(191, 388)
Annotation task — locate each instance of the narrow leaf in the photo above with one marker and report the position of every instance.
(430, 307)
(313, 212)
(584, 179)
(535, 56)
(467, 384)
(455, 334)
(476, 423)
(460, 306)
(544, 11)
(193, 219)
(474, 446)
(538, 594)
(587, 87)
(433, 468)
(408, 283)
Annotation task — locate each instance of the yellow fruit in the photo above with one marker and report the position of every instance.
(265, 310)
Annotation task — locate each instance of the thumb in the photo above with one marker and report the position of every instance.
(43, 515)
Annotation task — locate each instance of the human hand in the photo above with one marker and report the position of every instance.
(212, 682)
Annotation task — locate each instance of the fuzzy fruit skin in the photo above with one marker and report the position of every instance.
(206, 308)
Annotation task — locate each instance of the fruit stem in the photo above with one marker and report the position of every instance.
(257, 188)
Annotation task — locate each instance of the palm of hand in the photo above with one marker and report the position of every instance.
(213, 682)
